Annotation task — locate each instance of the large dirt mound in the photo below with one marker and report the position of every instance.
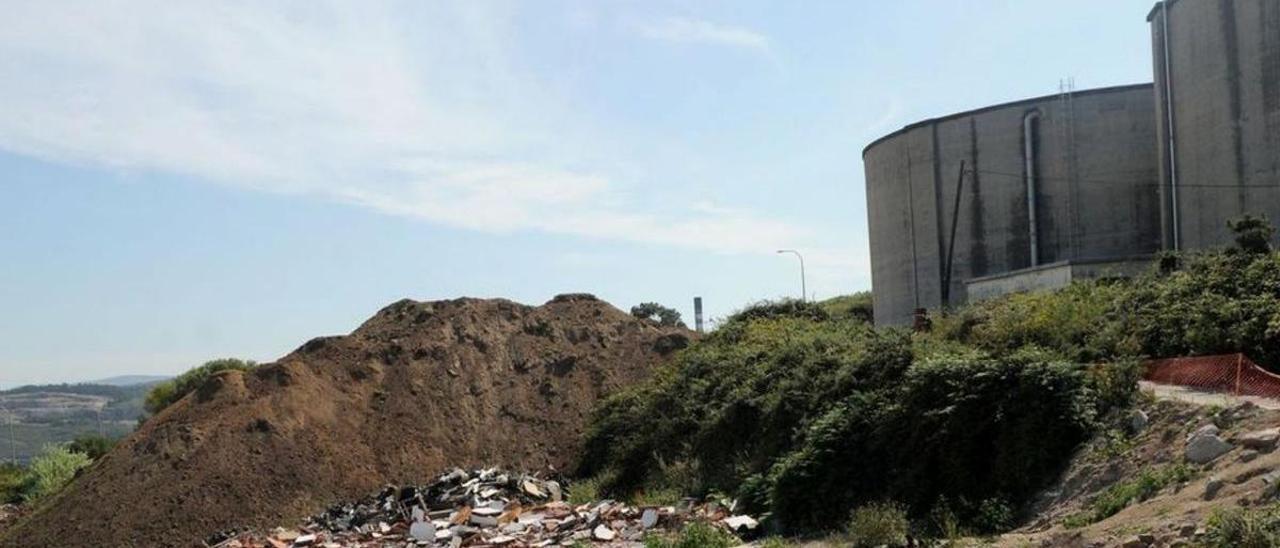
(420, 386)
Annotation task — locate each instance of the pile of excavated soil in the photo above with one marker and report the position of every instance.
(418, 387)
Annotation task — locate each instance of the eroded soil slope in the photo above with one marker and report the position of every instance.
(419, 386)
(1173, 492)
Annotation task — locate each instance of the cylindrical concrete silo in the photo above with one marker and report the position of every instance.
(1053, 179)
(1218, 109)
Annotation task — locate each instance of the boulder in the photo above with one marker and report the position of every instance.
(1138, 421)
(1204, 448)
(1212, 487)
(1261, 440)
(1206, 430)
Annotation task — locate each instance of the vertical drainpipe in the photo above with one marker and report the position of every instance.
(1168, 110)
(1029, 157)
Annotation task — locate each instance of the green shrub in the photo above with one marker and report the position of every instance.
(694, 535)
(879, 524)
(166, 393)
(93, 446)
(13, 480)
(1243, 528)
(55, 467)
(585, 491)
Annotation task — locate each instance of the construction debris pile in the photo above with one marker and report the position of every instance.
(486, 508)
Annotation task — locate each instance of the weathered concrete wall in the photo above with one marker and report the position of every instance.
(1096, 193)
(1053, 276)
(1224, 60)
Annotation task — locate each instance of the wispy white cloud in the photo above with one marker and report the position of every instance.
(414, 110)
(697, 31)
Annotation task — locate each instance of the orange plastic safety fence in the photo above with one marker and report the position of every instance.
(1230, 373)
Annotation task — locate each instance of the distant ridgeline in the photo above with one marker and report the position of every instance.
(36, 415)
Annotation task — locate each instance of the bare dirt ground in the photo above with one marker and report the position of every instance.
(417, 387)
(1175, 512)
(1187, 395)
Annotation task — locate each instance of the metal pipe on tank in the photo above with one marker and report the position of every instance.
(1029, 157)
(1168, 109)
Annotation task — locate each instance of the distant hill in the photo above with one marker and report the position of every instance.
(57, 413)
(130, 380)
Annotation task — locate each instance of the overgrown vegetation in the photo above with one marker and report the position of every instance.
(805, 412)
(1243, 528)
(166, 393)
(1190, 304)
(808, 417)
(694, 535)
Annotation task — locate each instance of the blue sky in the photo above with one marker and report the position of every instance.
(182, 181)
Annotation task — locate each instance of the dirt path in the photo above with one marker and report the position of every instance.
(1187, 395)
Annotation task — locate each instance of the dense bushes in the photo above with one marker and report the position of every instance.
(805, 411)
(166, 393)
(1211, 303)
(809, 417)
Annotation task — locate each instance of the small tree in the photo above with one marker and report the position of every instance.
(655, 312)
(1253, 234)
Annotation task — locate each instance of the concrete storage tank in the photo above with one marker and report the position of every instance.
(1058, 187)
(1219, 144)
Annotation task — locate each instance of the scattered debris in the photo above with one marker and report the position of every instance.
(487, 507)
(418, 387)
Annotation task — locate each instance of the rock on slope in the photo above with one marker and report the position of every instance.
(419, 386)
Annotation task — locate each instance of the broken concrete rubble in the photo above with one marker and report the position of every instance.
(487, 508)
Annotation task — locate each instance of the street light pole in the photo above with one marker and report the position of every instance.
(804, 290)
